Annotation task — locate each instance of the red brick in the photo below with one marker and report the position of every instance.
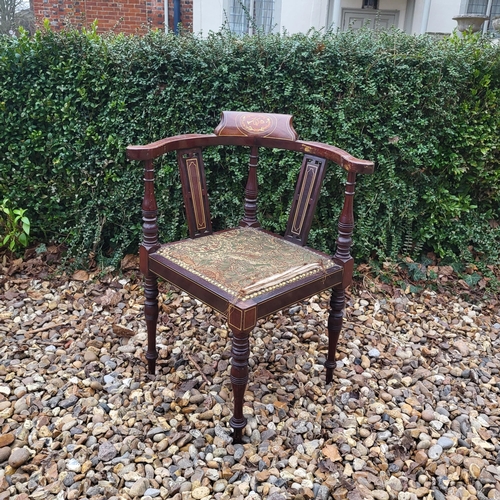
(127, 16)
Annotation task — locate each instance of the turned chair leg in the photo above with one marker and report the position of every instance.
(240, 352)
(335, 319)
(151, 314)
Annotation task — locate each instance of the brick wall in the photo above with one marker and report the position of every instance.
(123, 16)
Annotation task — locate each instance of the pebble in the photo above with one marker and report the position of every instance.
(411, 411)
(139, 488)
(445, 443)
(5, 453)
(434, 452)
(200, 492)
(428, 415)
(18, 457)
(107, 451)
(74, 465)
(6, 439)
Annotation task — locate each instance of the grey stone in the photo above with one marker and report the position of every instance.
(69, 479)
(74, 465)
(435, 452)
(323, 493)
(384, 435)
(445, 442)
(155, 430)
(268, 434)
(255, 437)
(68, 402)
(152, 492)
(107, 452)
(222, 434)
(219, 486)
(438, 495)
(239, 452)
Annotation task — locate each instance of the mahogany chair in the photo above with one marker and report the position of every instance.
(247, 273)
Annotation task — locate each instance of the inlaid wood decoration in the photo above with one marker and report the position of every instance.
(235, 123)
(305, 199)
(194, 191)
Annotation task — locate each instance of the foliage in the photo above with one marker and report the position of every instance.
(425, 111)
(14, 227)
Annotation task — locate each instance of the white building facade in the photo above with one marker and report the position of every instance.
(298, 16)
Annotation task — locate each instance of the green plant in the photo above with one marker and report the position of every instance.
(14, 227)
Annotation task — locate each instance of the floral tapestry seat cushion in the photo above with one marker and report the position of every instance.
(246, 263)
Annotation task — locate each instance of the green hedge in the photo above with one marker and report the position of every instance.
(425, 111)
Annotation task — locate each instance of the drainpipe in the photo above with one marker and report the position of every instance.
(177, 15)
(425, 16)
(165, 12)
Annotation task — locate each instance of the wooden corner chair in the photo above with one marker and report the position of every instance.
(247, 273)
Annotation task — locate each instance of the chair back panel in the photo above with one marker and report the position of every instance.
(311, 175)
(194, 191)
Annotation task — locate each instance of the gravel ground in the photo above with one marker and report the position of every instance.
(412, 413)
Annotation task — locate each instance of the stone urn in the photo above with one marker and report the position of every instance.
(496, 24)
(470, 21)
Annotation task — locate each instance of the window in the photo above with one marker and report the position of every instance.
(370, 4)
(489, 8)
(246, 14)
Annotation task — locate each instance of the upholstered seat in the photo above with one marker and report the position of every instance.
(243, 264)
(247, 273)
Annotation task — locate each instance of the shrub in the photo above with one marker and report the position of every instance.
(425, 111)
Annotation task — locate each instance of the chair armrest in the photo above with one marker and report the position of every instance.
(338, 156)
(158, 148)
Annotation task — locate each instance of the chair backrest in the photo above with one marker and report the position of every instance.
(254, 130)
(251, 126)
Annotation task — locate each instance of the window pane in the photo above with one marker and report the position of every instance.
(264, 15)
(238, 17)
(495, 9)
(477, 7)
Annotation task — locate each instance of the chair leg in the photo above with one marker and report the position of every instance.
(335, 318)
(151, 314)
(240, 352)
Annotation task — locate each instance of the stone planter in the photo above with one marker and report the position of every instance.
(470, 21)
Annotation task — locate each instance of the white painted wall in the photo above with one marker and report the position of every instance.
(442, 14)
(208, 15)
(298, 16)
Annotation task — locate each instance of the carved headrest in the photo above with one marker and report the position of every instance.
(242, 124)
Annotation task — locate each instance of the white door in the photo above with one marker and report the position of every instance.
(375, 19)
